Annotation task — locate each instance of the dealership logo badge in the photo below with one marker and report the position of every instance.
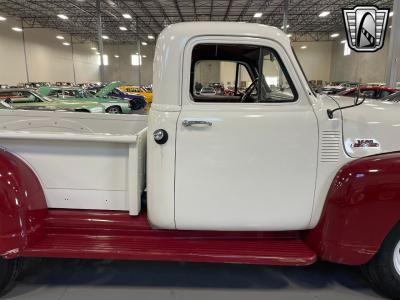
(365, 27)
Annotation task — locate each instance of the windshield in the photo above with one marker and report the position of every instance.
(304, 74)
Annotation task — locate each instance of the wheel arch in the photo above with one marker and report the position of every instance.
(361, 209)
(22, 205)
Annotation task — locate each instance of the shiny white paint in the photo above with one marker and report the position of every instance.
(78, 161)
(161, 168)
(373, 120)
(240, 173)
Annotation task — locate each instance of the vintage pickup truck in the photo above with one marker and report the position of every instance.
(276, 175)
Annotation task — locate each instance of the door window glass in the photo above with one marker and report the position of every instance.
(230, 73)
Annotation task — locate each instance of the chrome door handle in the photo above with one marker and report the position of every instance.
(188, 123)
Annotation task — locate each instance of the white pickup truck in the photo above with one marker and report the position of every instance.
(269, 173)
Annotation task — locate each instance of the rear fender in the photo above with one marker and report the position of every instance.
(22, 206)
(361, 208)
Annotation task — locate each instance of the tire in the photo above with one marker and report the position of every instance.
(9, 271)
(114, 110)
(383, 271)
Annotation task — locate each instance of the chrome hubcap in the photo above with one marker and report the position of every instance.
(113, 110)
(396, 258)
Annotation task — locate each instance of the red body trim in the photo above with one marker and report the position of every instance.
(362, 206)
(22, 206)
(116, 235)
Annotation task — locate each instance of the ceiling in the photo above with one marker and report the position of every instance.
(149, 17)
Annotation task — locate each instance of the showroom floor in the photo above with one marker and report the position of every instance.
(84, 279)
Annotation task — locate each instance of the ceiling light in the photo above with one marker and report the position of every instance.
(324, 14)
(93, 48)
(105, 37)
(343, 42)
(287, 26)
(2, 18)
(258, 15)
(390, 27)
(127, 16)
(98, 53)
(150, 37)
(144, 56)
(391, 14)
(144, 43)
(116, 56)
(333, 35)
(66, 44)
(123, 28)
(60, 37)
(289, 35)
(303, 47)
(17, 29)
(61, 16)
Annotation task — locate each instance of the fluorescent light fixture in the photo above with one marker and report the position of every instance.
(258, 15)
(390, 27)
(66, 43)
(343, 41)
(60, 37)
(61, 16)
(324, 14)
(144, 43)
(289, 35)
(98, 53)
(2, 18)
(105, 37)
(287, 26)
(333, 35)
(391, 14)
(17, 29)
(303, 47)
(136, 60)
(150, 37)
(127, 16)
(93, 48)
(144, 56)
(123, 28)
(116, 56)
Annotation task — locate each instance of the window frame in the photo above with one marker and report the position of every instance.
(260, 66)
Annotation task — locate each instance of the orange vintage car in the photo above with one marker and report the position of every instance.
(131, 89)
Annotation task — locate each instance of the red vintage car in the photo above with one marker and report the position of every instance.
(371, 92)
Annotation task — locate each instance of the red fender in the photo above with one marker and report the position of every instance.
(362, 206)
(22, 206)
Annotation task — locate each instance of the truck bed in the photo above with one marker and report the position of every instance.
(117, 235)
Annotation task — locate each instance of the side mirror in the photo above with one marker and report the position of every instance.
(357, 102)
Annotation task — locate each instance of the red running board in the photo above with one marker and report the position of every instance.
(115, 235)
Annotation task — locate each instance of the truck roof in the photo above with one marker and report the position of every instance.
(173, 39)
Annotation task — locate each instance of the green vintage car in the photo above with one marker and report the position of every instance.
(29, 100)
(111, 105)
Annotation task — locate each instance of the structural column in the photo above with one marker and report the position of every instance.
(100, 39)
(393, 62)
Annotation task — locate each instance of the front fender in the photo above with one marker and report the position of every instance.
(22, 206)
(362, 206)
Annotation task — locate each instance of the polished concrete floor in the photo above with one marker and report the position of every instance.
(118, 280)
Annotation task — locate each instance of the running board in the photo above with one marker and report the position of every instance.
(115, 235)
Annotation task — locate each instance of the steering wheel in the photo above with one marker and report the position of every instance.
(249, 90)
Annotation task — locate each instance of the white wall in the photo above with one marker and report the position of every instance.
(361, 67)
(46, 58)
(316, 59)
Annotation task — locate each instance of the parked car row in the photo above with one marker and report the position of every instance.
(108, 99)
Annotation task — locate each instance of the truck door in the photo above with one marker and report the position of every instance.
(247, 139)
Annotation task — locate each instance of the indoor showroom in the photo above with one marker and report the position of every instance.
(199, 149)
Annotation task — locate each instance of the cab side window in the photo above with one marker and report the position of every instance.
(239, 74)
